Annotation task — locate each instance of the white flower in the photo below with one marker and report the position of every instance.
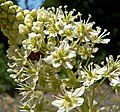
(86, 50)
(52, 30)
(61, 56)
(42, 14)
(67, 30)
(91, 75)
(37, 27)
(96, 37)
(70, 100)
(83, 28)
(34, 42)
(114, 81)
(113, 70)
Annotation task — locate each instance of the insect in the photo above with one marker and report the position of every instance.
(34, 56)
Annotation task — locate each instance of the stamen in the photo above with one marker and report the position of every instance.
(89, 16)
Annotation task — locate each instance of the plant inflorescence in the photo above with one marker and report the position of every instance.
(50, 52)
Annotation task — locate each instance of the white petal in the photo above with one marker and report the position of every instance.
(115, 80)
(95, 50)
(105, 41)
(79, 91)
(67, 27)
(58, 103)
(69, 65)
(61, 110)
(64, 45)
(56, 65)
(80, 101)
(48, 59)
(71, 54)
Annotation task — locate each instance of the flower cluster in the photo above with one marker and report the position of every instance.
(50, 51)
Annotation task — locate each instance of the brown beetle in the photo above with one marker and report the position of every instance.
(34, 56)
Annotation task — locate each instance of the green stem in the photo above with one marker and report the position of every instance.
(93, 97)
(85, 107)
(90, 55)
(93, 92)
(72, 78)
(80, 63)
(90, 105)
(100, 84)
(75, 42)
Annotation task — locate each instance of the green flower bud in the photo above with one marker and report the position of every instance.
(13, 33)
(11, 17)
(33, 13)
(19, 16)
(2, 26)
(9, 26)
(2, 1)
(19, 9)
(3, 14)
(26, 12)
(19, 38)
(4, 6)
(4, 21)
(12, 10)
(15, 25)
(9, 3)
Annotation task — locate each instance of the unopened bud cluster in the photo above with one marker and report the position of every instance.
(50, 51)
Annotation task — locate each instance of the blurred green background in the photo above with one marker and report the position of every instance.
(105, 13)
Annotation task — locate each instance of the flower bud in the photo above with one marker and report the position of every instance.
(3, 14)
(37, 27)
(26, 12)
(9, 3)
(19, 9)
(2, 26)
(4, 21)
(23, 30)
(19, 16)
(15, 25)
(12, 10)
(11, 17)
(28, 20)
(19, 38)
(13, 33)
(2, 1)
(33, 13)
(42, 14)
(9, 26)
(4, 6)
